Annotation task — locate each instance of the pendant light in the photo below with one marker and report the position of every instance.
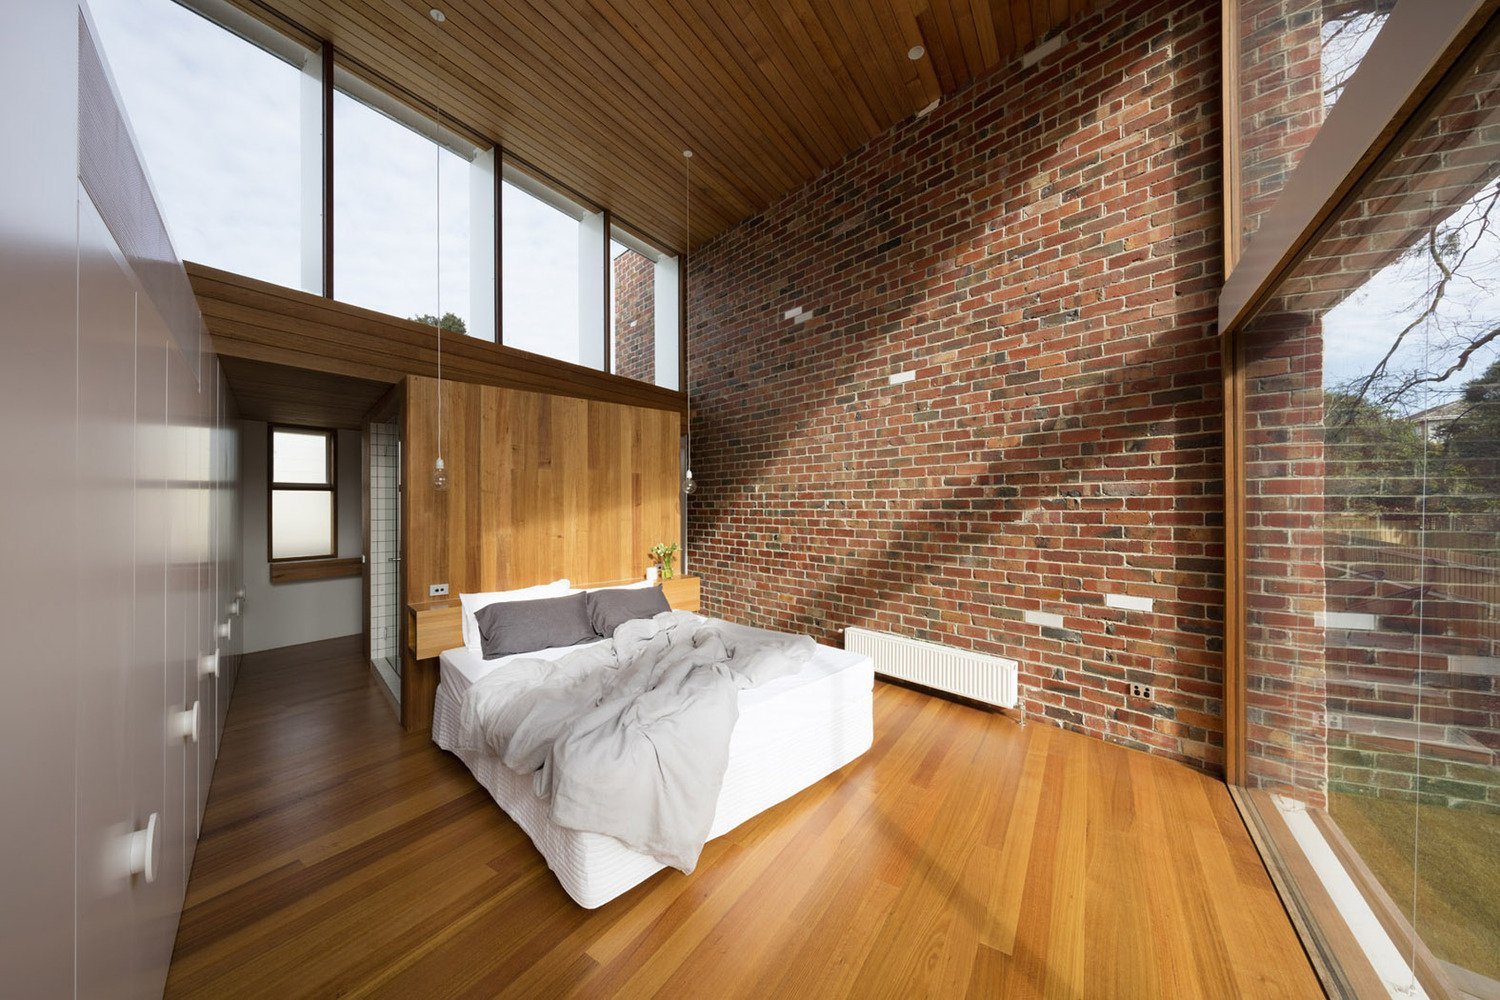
(439, 472)
(689, 485)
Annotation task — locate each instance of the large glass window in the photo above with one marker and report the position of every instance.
(304, 494)
(1295, 59)
(553, 282)
(410, 206)
(644, 326)
(1372, 458)
(227, 134)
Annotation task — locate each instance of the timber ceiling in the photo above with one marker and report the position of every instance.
(603, 95)
(281, 395)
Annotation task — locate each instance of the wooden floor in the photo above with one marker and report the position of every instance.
(962, 856)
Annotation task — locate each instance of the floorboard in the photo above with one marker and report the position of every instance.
(964, 855)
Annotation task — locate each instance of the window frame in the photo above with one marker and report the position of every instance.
(331, 436)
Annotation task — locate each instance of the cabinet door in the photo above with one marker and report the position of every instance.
(104, 604)
(165, 656)
(197, 563)
(39, 292)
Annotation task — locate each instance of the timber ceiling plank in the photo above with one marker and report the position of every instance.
(657, 127)
(602, 96)
(984, 27)
(861, 34)
(692, 95)
(705, 27)
(1005, 28)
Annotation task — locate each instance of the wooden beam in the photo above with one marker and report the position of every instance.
(260, 321)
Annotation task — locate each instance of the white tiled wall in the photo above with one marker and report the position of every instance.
(385, 540)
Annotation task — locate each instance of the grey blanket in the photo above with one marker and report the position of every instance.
(630, 738)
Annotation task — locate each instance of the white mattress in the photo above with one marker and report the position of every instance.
(791, 732)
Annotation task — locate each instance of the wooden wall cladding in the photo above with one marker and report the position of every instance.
(540, 487)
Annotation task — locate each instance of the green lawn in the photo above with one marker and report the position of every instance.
(1458, 862)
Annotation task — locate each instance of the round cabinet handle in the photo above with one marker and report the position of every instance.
(145, 850)
(187, 724)
(208, 664)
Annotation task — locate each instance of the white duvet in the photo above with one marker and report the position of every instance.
(630, 738)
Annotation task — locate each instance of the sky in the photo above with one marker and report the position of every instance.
(219, 125)
(1359, 331)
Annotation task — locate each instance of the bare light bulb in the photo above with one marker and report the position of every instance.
(439, 477)
(689, 485)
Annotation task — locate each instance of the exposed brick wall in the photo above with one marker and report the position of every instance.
(1042, 250)
(635, 316)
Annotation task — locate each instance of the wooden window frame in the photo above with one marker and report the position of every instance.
(331, 436)
(1378, 110)
(1423, 52)
(1229, 56)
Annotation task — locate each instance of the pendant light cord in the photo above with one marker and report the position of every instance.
(439, 269)
(687, 247)
(438, 228)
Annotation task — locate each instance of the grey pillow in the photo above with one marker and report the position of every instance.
(609, 609)
(525, 626)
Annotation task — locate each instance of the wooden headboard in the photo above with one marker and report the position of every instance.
(540, 487)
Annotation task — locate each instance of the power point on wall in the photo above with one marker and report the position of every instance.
(1142, 691)
(437, 590)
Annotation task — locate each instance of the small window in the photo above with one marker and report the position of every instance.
(303, 494)
(644, 327)
(554, 289)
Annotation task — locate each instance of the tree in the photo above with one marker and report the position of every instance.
(1373, 461)
(1471, 443)
(449, 322)
(1459, 253)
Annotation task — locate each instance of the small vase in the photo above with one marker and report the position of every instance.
(666, 567)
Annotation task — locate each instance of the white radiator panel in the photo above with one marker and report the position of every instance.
(990, 679)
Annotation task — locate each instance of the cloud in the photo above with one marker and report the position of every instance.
(220, 128)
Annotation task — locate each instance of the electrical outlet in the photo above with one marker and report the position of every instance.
(437, 590)
(1142, 691)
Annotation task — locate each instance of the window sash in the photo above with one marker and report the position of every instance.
(273, 486)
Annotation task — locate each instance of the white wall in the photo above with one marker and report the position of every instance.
(285, 614)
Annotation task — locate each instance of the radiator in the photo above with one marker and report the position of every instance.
(990, 679)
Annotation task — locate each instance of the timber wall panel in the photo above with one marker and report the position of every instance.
(540, 487)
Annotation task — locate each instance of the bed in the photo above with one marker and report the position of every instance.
(791, 732)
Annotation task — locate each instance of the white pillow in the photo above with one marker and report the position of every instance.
(642, 585)
(472, 603)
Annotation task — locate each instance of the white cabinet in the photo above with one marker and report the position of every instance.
(106, 622)
(38, 377)
(119, 528)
